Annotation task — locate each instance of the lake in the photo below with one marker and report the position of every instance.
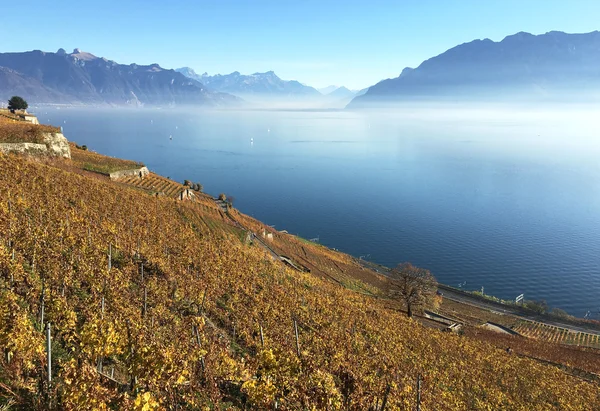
(481, 196)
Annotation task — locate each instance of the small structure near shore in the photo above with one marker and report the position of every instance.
(187, 194)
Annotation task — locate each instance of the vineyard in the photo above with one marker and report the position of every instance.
(154, 184)
(554, 334)
(153, 304)
(319, 260)
(14, 130)
(98, 163)
(207, 210)
(587, 359)
(6, 114)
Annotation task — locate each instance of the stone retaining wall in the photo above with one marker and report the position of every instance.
(24, 148)
(139, 172)
(55, 145)
(32, 119)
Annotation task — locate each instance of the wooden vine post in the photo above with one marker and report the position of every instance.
(297, 340)
(419, 392)
(262, 337)
(109, 257)
(49, 354)
(385, 397)
(145, 306)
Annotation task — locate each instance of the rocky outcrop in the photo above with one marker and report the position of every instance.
(58, 145)
(55, 144)
(139, 172)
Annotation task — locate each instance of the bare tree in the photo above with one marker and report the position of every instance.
(415, 286)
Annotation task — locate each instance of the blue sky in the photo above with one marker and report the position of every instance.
(352, 43)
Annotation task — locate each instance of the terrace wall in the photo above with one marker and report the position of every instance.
(31, 119)
(24, 148)
(139, 172)
(55, 145)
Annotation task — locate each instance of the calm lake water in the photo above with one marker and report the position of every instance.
(507, 200)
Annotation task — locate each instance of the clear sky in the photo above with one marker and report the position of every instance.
(317, 42)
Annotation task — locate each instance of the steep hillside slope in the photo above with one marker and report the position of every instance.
(150, 306)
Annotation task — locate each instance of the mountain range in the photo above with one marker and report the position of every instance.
(328, 89)
(341, 93)
(244, 85)
(549, 66)
(83, 78)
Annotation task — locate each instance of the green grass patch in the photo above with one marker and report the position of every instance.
(99, 163)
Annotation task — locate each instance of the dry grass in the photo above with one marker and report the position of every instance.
(23, 132)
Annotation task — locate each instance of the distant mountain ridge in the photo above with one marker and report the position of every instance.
(328, 89)
(80, 77)
(267, 83)
(341, 92)
(533, 65)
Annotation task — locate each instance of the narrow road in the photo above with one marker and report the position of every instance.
(466, 298)
(480, 302)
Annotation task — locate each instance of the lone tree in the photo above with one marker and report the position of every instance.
(17, 103)
(415, 286)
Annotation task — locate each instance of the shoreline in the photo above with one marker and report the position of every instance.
(493, 303)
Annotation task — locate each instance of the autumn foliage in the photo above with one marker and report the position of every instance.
(16, 131)
(188, 317)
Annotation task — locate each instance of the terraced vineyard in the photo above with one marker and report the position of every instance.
(98, 163)
(582, 358)
(554, 334)
(188, 317)
(209, 213)
(154, 183)
(318, 259)
(15, 130)
(6, 115)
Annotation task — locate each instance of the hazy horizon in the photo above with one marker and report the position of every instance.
(353, 44)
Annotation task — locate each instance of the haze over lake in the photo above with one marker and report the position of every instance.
(508, 199)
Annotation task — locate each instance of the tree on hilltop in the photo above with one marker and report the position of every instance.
(17, 103)
(413, 285)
